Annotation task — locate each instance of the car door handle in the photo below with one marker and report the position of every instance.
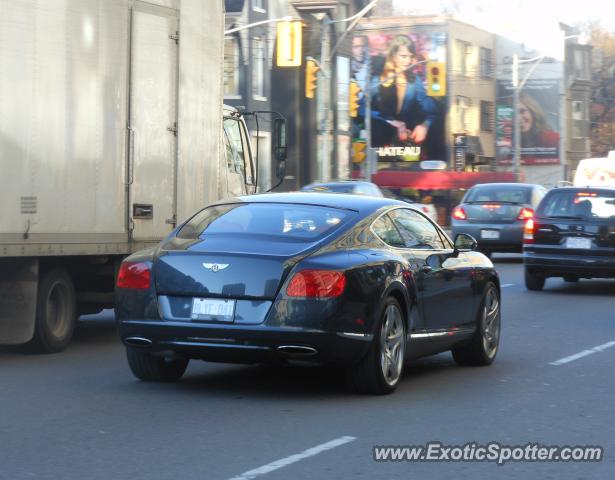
(426, 269)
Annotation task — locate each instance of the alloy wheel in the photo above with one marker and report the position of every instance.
(392, 345)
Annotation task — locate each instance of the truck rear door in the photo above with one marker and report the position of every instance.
(152, 122)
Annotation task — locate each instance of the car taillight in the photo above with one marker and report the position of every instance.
(316, 284)
(525, 213)
(528, 231)
(459, 214)
(134, 275)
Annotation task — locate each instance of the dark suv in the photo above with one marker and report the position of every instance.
(572, 235)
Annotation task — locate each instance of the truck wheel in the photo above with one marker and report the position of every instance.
(150, 368)
(55, 312)
(483, 347)
(381, 369)
(533, 281)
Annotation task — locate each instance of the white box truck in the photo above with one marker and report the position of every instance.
(112, 129)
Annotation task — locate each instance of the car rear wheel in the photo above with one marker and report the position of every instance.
(380, 370)
(150, 368)
(483, 347)
(533, 281)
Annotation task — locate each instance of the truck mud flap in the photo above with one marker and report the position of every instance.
(18, 290)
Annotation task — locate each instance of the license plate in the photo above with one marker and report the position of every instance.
(576, 242)
(490, 234)
(213, 309)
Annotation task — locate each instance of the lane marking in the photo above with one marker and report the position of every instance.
(584, 353)
(507, 285)
(283, 462)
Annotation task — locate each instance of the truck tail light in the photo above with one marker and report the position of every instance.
(316, 284)
(525, 214)
(459, 214)
(135, 275)
(528, 232)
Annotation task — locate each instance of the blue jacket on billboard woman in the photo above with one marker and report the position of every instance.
(416, 108)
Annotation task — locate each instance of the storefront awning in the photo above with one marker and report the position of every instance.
(438, 180)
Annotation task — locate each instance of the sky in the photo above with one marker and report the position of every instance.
(533, 22)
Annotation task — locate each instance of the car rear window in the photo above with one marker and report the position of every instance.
(288, 221)
(330, 188)
(498, 193)
(579, 204)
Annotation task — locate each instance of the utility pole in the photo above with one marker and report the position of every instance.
(516, 132)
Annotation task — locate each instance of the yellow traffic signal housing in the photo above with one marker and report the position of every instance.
(353, 102)
(288, 44)
(311, 69)
(436, 79)
(358, 152)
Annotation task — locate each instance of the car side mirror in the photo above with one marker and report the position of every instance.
(465, 243)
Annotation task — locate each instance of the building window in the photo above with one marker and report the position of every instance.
(486, 64)
(464, 50)
(464, 105)
(231, 67)
(486, 116)
(258, 5)
(258, 69)
(579, 120)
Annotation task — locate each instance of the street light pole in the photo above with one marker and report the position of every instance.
(516, 132)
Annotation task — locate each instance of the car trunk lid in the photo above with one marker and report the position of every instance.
(492, 212)
(226, 267)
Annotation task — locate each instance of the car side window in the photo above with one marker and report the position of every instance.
(416, 230)
(386, 231)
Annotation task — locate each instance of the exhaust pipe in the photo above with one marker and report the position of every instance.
(138, 341)
(297, 350)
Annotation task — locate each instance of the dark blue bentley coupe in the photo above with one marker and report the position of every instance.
(360, 282)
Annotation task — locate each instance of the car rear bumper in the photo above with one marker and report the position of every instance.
(556, 264)
(243, 344)
(510, 234)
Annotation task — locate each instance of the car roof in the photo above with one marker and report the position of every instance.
(509, 184)
(339, 182)
(578, 188)
(363, 204)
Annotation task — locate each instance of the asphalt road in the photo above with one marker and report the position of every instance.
(81, 414)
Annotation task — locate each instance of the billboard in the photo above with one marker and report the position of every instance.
(538, 108)
(406, 115)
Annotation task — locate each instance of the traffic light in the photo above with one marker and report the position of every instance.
(436, 79)
(358, 151)
(311, 69)
(353, 104)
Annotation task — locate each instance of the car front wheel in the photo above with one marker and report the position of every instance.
(483, 347)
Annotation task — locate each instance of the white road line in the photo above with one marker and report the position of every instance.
(310, 452)
(507, 285)
(584, 353)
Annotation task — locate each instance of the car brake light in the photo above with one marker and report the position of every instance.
(134, 275)
(525, 214)
(459, 214)
(528, 231)
(316, 284)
